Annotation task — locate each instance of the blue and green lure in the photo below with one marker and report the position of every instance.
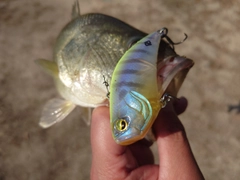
(135, 92)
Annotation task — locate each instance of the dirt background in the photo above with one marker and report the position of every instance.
(28, 29)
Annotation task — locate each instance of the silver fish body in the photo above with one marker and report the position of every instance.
(89, 48)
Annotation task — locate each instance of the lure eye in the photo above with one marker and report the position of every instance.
(121, 125)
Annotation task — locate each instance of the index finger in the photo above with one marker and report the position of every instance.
(176, 157)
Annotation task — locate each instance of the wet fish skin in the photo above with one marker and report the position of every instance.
(88, 49)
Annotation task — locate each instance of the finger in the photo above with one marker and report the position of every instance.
(167, 121)
(112, 161)
(108, 158)
(142, 153)
(176, 157)
(101, 136)
(180, 105)
(147, 172)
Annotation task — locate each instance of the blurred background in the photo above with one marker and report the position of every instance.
(28, 30)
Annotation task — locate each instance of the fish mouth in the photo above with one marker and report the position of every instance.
(172, 72)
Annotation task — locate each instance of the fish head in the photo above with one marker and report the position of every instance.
(130, 117)
(172, 72)
(171, 67)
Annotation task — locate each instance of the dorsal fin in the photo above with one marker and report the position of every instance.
(75, 10)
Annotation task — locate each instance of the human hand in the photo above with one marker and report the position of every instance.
(112, 161)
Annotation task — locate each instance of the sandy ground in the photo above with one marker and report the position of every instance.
(28, 30)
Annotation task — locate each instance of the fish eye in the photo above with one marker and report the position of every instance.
(121, 125)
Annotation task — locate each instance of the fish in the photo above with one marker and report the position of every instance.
(136, 89)
(85, 55)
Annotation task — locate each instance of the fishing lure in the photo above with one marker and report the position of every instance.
(134, 90)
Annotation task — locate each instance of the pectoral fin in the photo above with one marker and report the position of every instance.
(55, 111)
(49, 66)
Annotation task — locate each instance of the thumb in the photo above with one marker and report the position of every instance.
(147, 172)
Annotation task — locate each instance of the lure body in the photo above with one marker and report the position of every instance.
(134, 92)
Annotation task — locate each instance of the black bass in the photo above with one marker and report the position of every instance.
(85, 55)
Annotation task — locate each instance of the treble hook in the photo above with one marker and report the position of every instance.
(169, 39)
(165, 99)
